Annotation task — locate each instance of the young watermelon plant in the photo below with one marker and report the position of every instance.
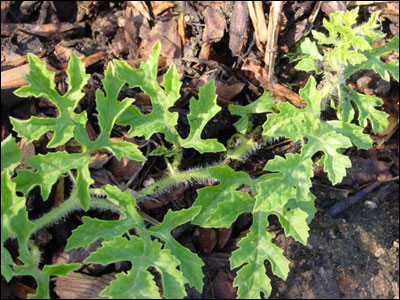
(283, 191)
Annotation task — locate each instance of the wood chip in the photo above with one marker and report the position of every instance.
(215, 24)
(13, 78)
(181, 28)
(141, 6)
(206, 238)
(80, 286)
(262, 30)
(273, 32)
(238, 27)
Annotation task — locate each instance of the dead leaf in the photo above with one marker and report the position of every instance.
(159, 7)
(167, 33)
(258, 73)
(227, 90)
(127, 39)
(5, 5)
(215, 24)
(22, 291)
(125, 168)
(98, 159)
(66, 11)
(83, 9)
(63, 53)
(28, 150)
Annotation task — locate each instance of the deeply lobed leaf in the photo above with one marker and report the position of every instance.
(138, 283)
(50, 167)
(221, 204)
(41, 84)
(189, 262)
(201, 111)
(254, 249)
(263, 104)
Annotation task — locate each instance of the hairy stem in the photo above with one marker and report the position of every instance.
(178, 177)
(69, 206)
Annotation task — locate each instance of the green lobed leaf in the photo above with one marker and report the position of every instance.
(221, 204)
(297, 124)
(201, 112)
(109, 110)
(189, 262)
(288, 122)
(42, 277)
(307, 64)
(310, 55)
(42, 281)
(41, 84)
(164, 151)
(11, 155)
(254, 249)
(50, 167)
(308, 47)
(293, 182)
(353, 44)
(330, 142)
(373, 61)
(14, 223)
(93, 229)
(160, 119)
(342, 32)
(353, 132)
(264, 103)
(60, 269)
(365, 108)
(137, 282)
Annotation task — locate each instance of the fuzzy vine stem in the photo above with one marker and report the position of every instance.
(67, 207)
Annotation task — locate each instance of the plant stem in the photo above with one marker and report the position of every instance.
(179, 177)
(67, 207)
